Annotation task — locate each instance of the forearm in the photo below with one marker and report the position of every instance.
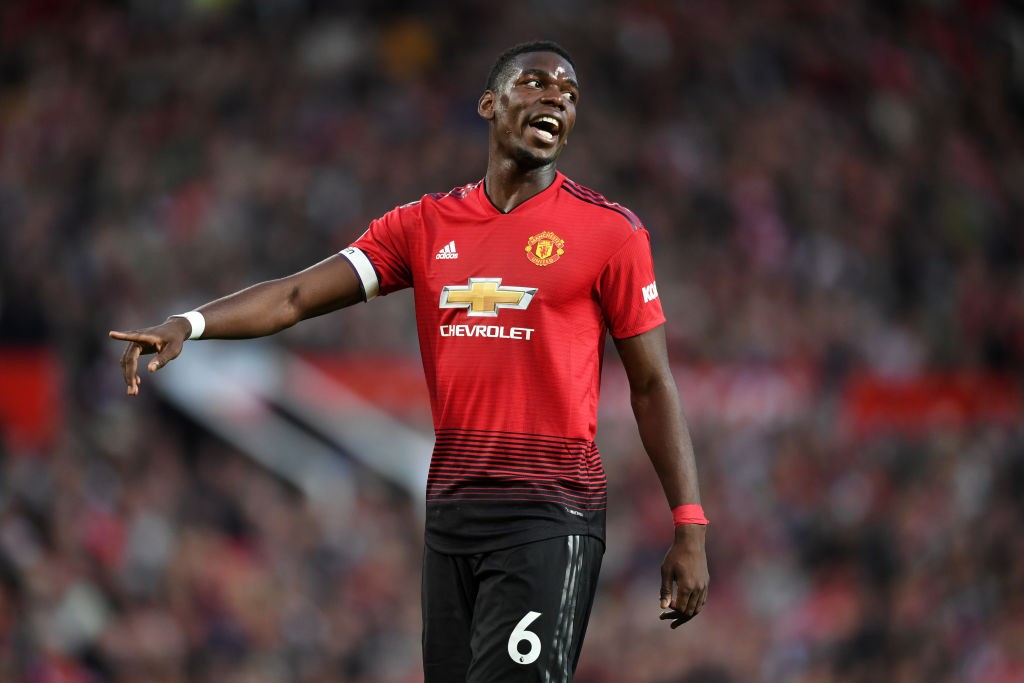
(666, 438)
(255, 311)
(274, 305)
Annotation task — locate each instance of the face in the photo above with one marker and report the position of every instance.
(533, 109)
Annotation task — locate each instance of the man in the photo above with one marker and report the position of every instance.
(516, 279)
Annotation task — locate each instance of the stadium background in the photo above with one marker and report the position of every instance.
(834, 191)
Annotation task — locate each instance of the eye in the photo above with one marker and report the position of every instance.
(532, 82)
(571, 96)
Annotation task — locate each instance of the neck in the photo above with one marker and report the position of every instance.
(508, 184)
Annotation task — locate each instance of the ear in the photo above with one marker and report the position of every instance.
(485, 107)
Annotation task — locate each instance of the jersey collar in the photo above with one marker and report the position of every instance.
(536, 199)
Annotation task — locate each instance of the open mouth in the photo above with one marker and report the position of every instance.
(547, 127)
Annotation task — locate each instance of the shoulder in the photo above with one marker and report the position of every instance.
(446, 203)
(456, 194)
(432, 201)
(614, 212)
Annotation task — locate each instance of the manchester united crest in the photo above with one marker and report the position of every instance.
(545, 248)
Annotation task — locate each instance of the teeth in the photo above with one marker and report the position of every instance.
(548, 119)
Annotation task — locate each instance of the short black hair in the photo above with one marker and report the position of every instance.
(506, 57)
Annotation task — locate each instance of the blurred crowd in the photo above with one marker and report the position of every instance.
(835, 186)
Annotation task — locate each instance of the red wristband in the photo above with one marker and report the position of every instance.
(691, 513)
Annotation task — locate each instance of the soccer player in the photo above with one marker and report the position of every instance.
(517, 279)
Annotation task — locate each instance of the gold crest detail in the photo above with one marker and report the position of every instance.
(545, 248)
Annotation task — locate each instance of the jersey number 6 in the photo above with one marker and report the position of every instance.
(519, 634)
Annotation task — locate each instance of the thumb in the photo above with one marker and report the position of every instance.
(168, 353)
(666, 589)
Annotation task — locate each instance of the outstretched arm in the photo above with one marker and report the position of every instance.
(666, 438)
(256, 311)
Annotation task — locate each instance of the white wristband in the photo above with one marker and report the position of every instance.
(196, 320)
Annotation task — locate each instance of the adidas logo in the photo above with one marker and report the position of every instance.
(447, 252)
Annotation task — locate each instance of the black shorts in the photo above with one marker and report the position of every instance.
(517, 614)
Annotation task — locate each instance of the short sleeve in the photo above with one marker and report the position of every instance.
(627, 290)
(386, 245)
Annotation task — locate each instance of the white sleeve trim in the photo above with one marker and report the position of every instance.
(364, 270)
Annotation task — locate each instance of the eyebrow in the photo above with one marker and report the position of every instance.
(546, 74)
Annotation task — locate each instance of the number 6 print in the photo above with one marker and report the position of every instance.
(519, 634)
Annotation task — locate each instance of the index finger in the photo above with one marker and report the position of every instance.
(149, 343)
(676, 617)
(693, 604)
(130, 335)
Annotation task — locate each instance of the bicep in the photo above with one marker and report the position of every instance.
(324, 287)
(645, 358)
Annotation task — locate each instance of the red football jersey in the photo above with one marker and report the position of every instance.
(512, 310)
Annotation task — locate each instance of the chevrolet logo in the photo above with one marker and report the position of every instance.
(483, 296)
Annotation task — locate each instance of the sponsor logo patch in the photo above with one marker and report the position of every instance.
(650, 292)
(488, 331)
(484, 296)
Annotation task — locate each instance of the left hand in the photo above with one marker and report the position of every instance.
(684, 575)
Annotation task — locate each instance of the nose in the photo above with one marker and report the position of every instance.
(552, 94)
